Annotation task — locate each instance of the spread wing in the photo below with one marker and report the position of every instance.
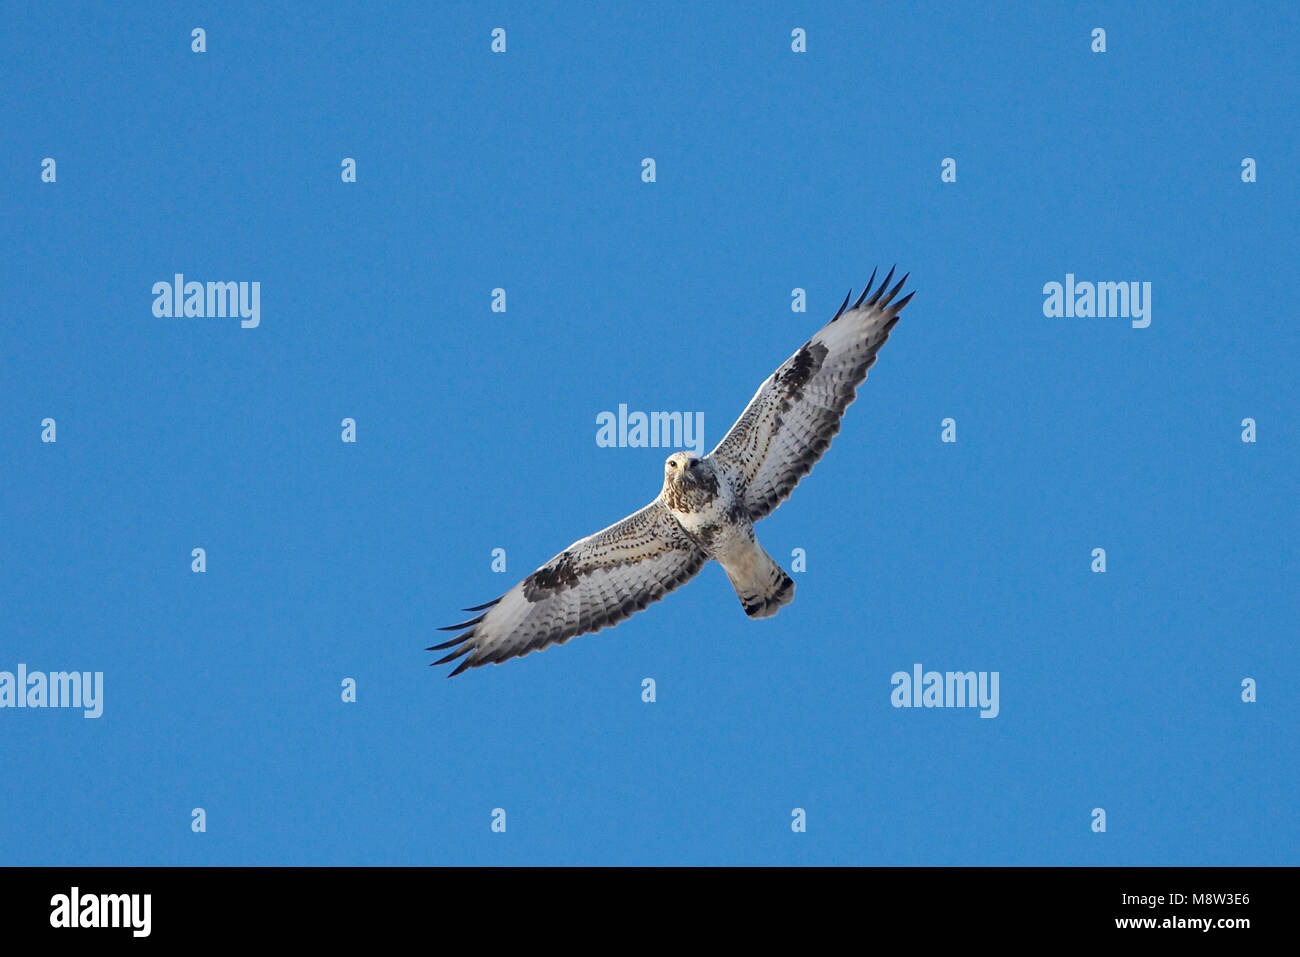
(595, 582)
(793, 416)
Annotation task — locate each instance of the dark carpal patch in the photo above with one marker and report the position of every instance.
(558, 576)
(803, 366)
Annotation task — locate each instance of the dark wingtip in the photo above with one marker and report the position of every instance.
(883, 286)
(839, 312)
(893, 292)
(446, 659)
(455, 641)
(488, 604)
(898, 306)
(464, 624)
(463, 665)
(865, 289)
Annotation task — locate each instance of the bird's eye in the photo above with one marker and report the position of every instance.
(672, 464)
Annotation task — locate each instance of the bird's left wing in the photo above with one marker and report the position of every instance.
(793, 416)
(595, 582)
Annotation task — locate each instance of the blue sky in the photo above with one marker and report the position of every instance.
(476, 430)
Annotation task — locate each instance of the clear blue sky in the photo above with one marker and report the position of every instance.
(476, 430)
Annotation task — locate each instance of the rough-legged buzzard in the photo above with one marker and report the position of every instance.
(707, 508)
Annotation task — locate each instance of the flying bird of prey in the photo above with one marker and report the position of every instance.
(706, 509)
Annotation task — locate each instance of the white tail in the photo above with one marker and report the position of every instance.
(761, 584)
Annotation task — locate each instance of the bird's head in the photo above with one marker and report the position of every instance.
(681, 465)
(690, 482)
(687, 473)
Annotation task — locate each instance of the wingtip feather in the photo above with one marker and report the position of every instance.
(447, 659)
(883, 286)
(866, 289)
(455, 641)
(893, 292)
(464, 624)
(844, 305)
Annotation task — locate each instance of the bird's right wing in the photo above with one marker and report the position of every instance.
(595, 582)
